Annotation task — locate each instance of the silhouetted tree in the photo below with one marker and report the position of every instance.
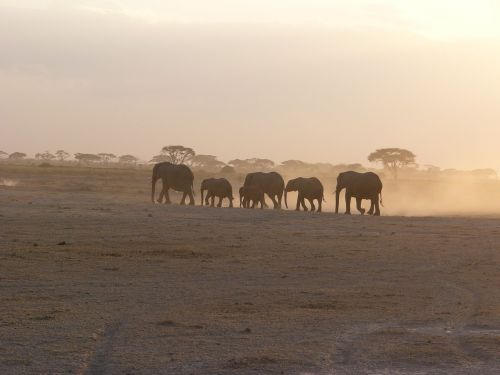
(128, 159)
(87, 158)
(160, 158)
(207, 162)
(484, 173)
(17, 156)
(432, 168)
(393, 158)
(105, 157)
(178, 154)
(252, 164)
(294, 164)
(62, 155)
(46, 156)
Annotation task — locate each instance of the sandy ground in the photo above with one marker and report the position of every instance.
(98, 282)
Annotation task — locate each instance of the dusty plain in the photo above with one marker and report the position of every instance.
(94, 279)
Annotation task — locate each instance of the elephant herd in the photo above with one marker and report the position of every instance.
(258, 184)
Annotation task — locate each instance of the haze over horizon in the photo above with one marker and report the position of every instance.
(317, 80)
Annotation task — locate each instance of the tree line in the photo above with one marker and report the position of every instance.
(393, 160)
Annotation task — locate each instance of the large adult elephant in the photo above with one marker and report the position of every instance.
(360, 186)
(173, 176)
(307, 188)
(271, 184)
(216, 188)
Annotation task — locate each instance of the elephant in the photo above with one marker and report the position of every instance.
(173, 176)
(271, 184)
(253, 194)
(360, 186)
(307, 188)
(216, 187)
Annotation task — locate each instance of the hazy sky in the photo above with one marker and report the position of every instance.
(316, 80)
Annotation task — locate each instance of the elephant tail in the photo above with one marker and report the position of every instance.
(381, 200)
(324, 200)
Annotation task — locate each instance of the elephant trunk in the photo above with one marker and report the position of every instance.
(286, 201)
(337, 196)
(202, 201)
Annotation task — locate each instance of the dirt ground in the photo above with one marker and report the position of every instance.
(94, 279)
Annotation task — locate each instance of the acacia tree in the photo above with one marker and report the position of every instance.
(128, 159)
(159, 158)
(87, 158)
(17, 156)
(208, 162)
(393, 159)
(178, 154)
(106, 157)
(62, 155)
(294, 164)
(252, 164)
(46, 156)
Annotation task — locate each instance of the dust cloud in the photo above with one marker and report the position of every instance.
(8, 182)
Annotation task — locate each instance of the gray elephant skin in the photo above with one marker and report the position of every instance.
(307, 188)
(360, 186)
(270, 183)
(176, 177)
(250, 196)
(216, 188)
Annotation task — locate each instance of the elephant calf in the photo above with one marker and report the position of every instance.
(307, 188)
(252, 194)
(216, 187)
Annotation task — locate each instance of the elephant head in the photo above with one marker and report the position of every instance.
(290, 186)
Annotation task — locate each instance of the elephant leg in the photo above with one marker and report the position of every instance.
(320, 204)
(299, 199)
(207, 200)
(220, 202)
(191, 197)
(377, 208)
(313, 207)
(167, 197)
(212, 200)
(372, 207)
(230, 202)
(303, 203)
(275, 202)
(358, 206)
(183, 200)
(348, 197)
(164, 192)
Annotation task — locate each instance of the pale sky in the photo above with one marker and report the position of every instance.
(316, 80)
